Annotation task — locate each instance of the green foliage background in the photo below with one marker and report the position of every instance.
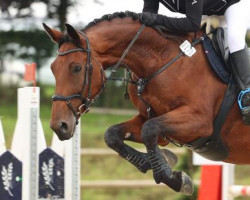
(33, 45)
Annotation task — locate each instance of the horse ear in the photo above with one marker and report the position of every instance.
(53, 33)
(72, 33)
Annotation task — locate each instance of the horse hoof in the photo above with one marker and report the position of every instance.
(170, 157)
(187, 187)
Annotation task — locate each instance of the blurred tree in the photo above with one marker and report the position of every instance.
(4, 5)
(56, 9)
(17, 4)
(61, 11)
(33, 45)
(21, 5)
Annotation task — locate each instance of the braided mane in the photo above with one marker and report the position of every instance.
(163, 31)
(134, 16)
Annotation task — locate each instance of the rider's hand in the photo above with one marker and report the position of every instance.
(211, 22)
(148, 18)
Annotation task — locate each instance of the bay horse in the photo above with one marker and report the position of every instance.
(185, 98)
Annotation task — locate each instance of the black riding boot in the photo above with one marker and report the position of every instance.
(241, 67)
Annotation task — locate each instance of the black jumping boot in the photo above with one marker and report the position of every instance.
(241, 67)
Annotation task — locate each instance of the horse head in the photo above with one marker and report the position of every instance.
(79, 79)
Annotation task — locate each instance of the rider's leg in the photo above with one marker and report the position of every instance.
(237, 17)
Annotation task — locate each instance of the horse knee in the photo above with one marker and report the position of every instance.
(113, 137)
(150, 131)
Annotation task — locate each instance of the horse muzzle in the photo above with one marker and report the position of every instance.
(63, 129)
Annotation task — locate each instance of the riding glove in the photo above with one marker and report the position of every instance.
(148, 18)
(171, 23)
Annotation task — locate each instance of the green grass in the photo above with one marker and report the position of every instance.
(106, 167)
(9, 118)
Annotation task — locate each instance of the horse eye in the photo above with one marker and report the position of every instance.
(77, 69)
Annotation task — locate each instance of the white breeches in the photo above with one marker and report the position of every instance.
(238, 19)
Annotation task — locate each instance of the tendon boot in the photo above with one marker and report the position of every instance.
(241, 68)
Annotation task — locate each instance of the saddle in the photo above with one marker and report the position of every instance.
(217, 53)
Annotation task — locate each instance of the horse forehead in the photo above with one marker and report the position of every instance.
(59, 65)
(77, 56)
(67, 46)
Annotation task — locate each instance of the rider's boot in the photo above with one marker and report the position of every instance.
(241, 67)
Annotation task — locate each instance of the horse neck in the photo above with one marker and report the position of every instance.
(110, 41)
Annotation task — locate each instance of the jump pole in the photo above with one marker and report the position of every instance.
(211, 175)
(229, 189)
(217, 180)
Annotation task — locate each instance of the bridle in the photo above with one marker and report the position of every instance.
(88, 100)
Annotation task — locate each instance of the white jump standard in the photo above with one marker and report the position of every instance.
(31, 171)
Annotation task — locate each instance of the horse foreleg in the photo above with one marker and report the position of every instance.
(114, 138)
(178, 123)
(131, 130)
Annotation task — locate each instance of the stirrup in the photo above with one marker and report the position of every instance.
(241, 94)
(245, 110)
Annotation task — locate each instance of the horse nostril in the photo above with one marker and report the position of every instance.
(64, 127)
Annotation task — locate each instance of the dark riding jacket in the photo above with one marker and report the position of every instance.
(194, 9)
